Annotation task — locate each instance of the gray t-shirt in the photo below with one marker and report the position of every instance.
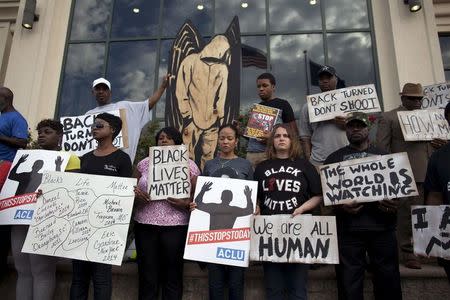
(238, 168)
(137, 114)
(325, 136)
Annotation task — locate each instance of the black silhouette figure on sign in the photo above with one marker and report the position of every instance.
(30, 181)
(222, 215)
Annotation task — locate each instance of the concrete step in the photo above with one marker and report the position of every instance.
(428, 283)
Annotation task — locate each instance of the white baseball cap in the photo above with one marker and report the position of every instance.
(101, 80)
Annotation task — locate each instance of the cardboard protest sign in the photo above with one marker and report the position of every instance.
(261, 119)
(331, 104)
(77, 130)
(23, 180)
(368, 179)
(436, 96)
(302, 239)
(219, 228)
(82, 216)
(168, 172)
(431, 230)
(423, 124)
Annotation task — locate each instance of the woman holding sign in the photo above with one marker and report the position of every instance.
(227, 164)
(160, 230)
(36, 273)
(110, 161)
(287, 184)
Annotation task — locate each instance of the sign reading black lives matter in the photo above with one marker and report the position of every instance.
(423, 124)
(219, 228)
(331, 104)
(77, 133)
(82, 216)
(368, 179)
(436, 96)
(302, 239)
(168, 172)
(431, 230)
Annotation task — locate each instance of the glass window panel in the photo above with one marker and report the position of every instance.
(249, 92)
(356, 47)
(163, 65)
(289, 68)
(346, 14)
(294, 15)
(445, 49)
(135, 18)
(251, 13)
(131, 70)
(447, 75)
(84, 63)
(176, 12)
(90, 19)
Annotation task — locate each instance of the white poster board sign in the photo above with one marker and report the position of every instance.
(168, 172)
(431, 230)
(423, 125)
(82, 217)
(23, 180)
(219, 228)
(77, 133)
(368, 179)
(436, 96)
(302, 239)
(331, 104)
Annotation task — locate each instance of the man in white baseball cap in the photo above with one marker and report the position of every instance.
(137, 113)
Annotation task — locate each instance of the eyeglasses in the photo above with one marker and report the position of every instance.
(416, 99)
(98, 125)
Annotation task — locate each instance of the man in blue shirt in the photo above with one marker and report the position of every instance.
(13, 135)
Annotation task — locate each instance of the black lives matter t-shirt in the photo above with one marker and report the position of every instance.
(438, 173)
(285, 184)
(369, 218)
(116, 164)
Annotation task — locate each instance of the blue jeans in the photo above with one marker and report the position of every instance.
(81, 277)
(217, 277)
(285, 281)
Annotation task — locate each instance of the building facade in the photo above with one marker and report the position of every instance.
(50, 68)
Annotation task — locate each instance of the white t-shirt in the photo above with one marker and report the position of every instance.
(137, 114)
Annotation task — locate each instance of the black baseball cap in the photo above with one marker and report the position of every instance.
(327, 69)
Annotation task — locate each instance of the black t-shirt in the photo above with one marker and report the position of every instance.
(438, 173)
(287, 114)
(116, 164)
(370, 217)
(284, 185)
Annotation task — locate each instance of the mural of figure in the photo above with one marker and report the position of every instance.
(30, 181)
(224, 214)
(204, 88)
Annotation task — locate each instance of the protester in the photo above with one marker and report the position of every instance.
(437, 182)
(137, 113)
(301, 195)
(36, 273)
(13, 136)
(256, 149)
(104, 160)
(365, 229)
(319, 139)
(389, 138)
(160, 230)
(227, 164)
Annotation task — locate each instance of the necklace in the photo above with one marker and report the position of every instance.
(224, 161)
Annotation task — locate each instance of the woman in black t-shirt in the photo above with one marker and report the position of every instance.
(110, 161)
(287, 184)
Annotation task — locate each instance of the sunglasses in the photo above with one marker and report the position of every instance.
(98, 126)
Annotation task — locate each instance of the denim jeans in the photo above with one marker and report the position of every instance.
(285, 281)
(82, 273)
(218, 275)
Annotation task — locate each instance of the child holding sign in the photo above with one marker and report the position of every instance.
(160, 230)
(287, 184)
